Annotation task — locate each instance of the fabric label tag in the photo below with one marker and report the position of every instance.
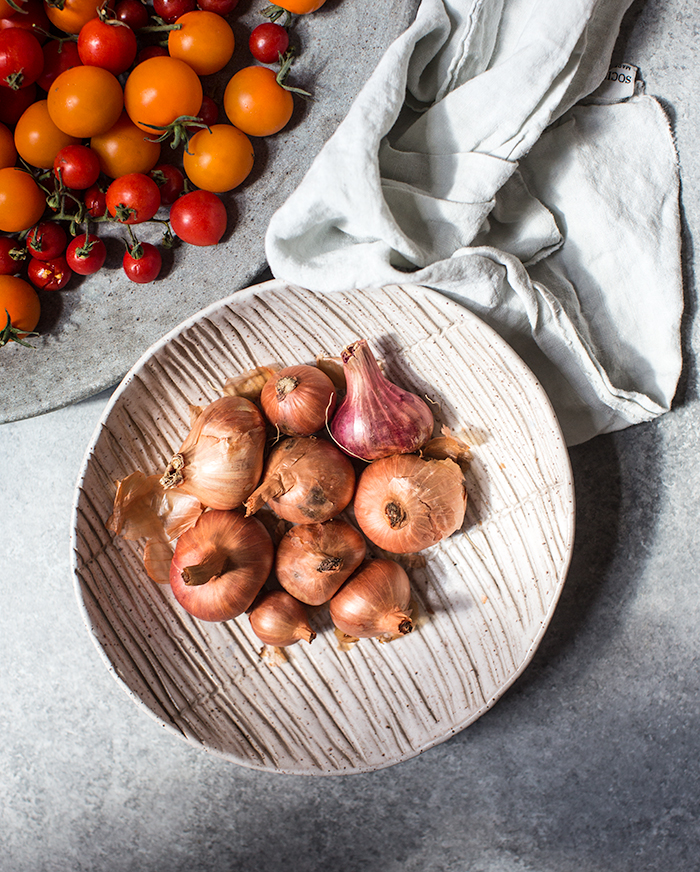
(618, 84)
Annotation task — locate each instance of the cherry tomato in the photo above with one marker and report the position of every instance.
(268, 41)
(256, 103)
(58, 56)
(171, 10)
(133, 199)
(143, 263)
(85, 101)
(218, 158)
(208, 111)
(151, 51)
(110, 45)
(37, 139)
(198, 218)
(170, 181)
(21, 58)
(160, 90)
(20, 301)
(131, 12)
(7, 10)
(205, 41)
(124, 149)
(32, 18)
(78, 166)
(49, 275)
(95, 200)
(14, 103)
(86, 254)
(300, 7)
(8, 152)
(22, 202)
(12, 256)
(46, 240)
(70, 15)
(220, 7)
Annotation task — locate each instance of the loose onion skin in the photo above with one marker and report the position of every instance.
(220, 565)
(313, 560)
(306, 480)
(298, 400)
(406, 503)
(377, 418)
(221, 460)
(278, 619)
(374, 602)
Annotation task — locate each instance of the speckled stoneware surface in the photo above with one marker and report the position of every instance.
(93, 331)
(484, 596)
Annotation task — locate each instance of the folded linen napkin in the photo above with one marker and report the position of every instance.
(471, 163)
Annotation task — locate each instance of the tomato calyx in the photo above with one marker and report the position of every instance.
(180, 129)
(16, 7)
(160, 25)
(12, 334)
(287, 60)
(274, 13)
(14, 80)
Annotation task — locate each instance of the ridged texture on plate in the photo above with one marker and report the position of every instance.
(484, 596)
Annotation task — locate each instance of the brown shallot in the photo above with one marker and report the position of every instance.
(374, 602)
(221, 460)
(306, 479)
(377, 418)
(220, 565)
(298, 400)
(278, 619)
(406, 503)
(313, 560)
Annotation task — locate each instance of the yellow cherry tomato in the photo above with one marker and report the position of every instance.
(204, 41)
(20, 301)
(256, 103)
(125, 149)
(22, 202)
(70, 15)
(85, 101)
(37, 139)
(218, 159)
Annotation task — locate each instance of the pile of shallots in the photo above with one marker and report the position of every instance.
(293, 490)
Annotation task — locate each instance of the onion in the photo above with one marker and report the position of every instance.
(298, 400)
(313, 560)
(406, 503)
(377, 418)
(280, 620)
(220, 565)
(374, 602)
(306, 479)
(221, 460)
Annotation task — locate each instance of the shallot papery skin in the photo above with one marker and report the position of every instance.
(374, 602)
(377, 418)
(313, 560)
(306, 479)
(278, 619)
(220, 565)
(221, 460)
(298, 400)
(406, 503)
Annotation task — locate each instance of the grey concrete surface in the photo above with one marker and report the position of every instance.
(590, 763)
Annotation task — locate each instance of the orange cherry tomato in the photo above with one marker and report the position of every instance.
(20, 301)
(124, 149)
(205, 41)
(70, 15)
(85, 101)
(8, 152)
(256, 103)
(37, 139)
(159, 91)
(300, 7)
(22, 202)
(218, 159)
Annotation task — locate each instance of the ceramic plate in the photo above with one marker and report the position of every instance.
(98, 326)
(484, 597)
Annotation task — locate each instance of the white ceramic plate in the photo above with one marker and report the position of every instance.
(485, 596)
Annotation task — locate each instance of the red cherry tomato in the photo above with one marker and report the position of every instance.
(208, 111)
(46, 240)
(268, 41)
(131, 12)
(133, 198)
(151, 51)
(12, 256)
(170, 181)
(86, 254)
(33, 18)
(78, 166)
(143, 264)
(220, 7)
(21, 58)
(110, 45)
(49, 275)
(58, 57)
(198, 218)
(171, 10)
(15, 103)
(95, 200)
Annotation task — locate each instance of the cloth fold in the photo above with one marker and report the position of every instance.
(472, 164)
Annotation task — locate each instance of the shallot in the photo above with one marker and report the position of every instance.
(278, 619)
(374, 602)
(298, 400)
